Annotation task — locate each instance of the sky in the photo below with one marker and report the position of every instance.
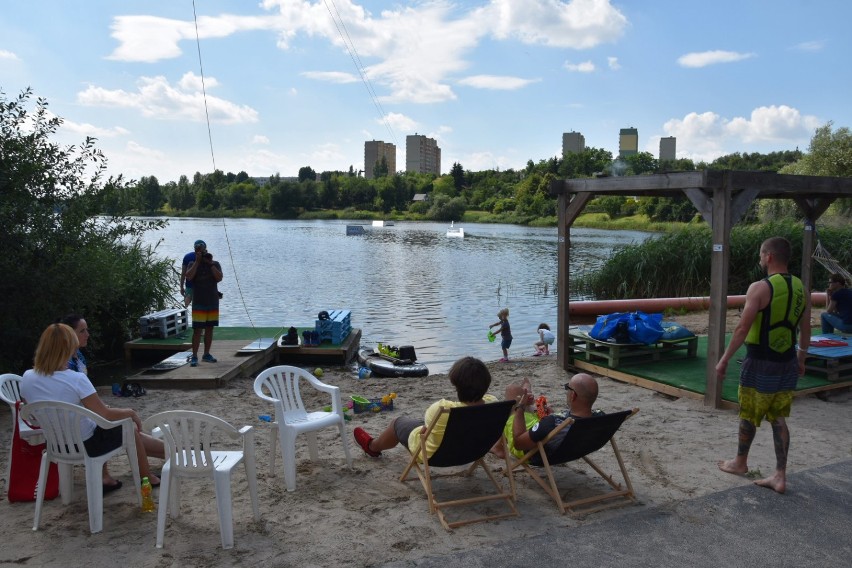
(294, 83)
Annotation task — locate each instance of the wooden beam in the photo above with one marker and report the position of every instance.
(702, 203)
(741, 203)
(813, 208)
(576, 206)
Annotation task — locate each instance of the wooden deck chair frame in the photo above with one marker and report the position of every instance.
(618, 496)
(470, 433)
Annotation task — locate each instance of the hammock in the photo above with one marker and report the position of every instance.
(824, 257)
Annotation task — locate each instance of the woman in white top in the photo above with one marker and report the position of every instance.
(51, 379)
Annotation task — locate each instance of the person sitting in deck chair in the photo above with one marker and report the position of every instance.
(471, 379)
(838, 312)
(581, 393)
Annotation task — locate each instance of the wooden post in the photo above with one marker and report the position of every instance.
(563, 243)
(721, 232)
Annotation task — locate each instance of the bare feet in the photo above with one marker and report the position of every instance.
(735, 466)
(777, 482)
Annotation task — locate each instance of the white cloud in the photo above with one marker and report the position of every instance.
(707, 136)
(399, 122)
(156, 98)
(192, 82)
(482, 161)
(613, 63)
(86, 129)
(773, 123)
(331, 76)
(412, 51)
(584, 67)
(497, 82)
(144, 152)
(8, 55)
(705, 58)
(260, 139)
(817, 45)
(578, 24)
(150, 38)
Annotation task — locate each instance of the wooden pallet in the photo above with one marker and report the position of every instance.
(586, 348)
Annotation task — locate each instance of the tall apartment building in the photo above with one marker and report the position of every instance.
(628, 142)
(668, 146)
(422, 155)
(573, 142)
(374, 151)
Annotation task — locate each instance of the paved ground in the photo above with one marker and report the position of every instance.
(811, 525)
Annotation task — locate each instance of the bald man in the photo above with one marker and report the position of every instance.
(581, 392)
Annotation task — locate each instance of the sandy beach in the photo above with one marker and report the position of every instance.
(364, 515)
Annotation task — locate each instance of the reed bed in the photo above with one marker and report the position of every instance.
(677, 264)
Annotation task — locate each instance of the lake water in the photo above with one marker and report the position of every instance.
(407, 284)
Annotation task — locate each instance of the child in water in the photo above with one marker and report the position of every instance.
(545, 340)
(505, 333)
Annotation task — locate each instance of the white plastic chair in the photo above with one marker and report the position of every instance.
(10, 393)
(280, 386)
(60, 424)
(188, 437)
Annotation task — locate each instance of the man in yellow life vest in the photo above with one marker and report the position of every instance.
(774, 308)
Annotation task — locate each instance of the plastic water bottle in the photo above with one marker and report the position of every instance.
(147, 499)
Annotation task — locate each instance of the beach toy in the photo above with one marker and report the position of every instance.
(541, 407)
(318, 373)
(491, 336)
(265, 417)
(364, 373)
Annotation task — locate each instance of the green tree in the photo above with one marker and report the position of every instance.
(641, 163)
(59, 254)
(307, 173)
(380, 169)
(585, 164)
(457, 173)
(446, 208)
(181, 196)
(150, 194)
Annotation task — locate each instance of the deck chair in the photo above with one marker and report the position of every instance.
(585, 436)
(470, 433)
(60, 424)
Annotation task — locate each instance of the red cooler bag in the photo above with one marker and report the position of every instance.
(26, 462)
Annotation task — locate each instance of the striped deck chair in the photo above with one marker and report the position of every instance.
(585, 436)
(470, 433)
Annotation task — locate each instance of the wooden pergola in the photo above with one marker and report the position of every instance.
(722, 198)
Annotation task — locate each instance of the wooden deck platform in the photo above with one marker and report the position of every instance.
(233, 361)
(675, 375)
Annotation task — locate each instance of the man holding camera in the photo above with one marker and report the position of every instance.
(204, 273)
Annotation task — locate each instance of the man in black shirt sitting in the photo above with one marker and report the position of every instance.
(582, 391)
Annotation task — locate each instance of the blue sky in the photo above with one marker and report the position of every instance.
(293, 83)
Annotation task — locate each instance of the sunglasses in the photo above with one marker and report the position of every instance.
(568, 387)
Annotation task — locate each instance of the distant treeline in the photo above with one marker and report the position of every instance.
(519, 196)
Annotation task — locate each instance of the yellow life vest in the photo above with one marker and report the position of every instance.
(773, 332)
